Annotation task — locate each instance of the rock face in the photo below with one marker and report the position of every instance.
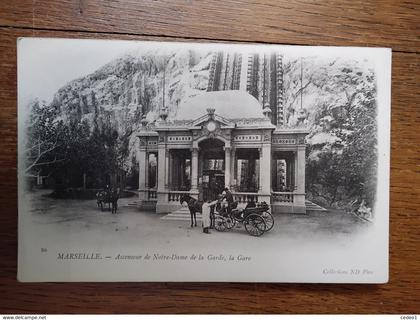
(132, 86)
(121, 92)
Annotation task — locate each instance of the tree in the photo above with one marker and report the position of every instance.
(44, 137)
(339, 98)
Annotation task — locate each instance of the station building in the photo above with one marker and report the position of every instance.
(217, 139)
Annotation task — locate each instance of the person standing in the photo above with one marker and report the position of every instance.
(206, 214)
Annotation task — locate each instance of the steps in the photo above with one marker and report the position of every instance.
(182, 214)
(143, 205)
(136, 204)
(310, 206)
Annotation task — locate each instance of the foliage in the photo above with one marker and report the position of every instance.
(68, 151)
(342, 154)
(45, 136)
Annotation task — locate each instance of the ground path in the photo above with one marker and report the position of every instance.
(81, 221)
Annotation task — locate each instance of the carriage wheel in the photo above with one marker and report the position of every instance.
(219, 223)
(230, 222)
(269, 220)
(255, 225)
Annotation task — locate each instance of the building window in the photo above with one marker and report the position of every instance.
(180, 170)
(283, 171)
(214, 164)
(247, 170)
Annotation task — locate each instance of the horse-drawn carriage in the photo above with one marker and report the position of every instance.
(108, 196)
(256, 218)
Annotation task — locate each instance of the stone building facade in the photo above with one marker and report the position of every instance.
(218, 139)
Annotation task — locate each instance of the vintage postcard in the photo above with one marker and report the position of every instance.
(166, 161)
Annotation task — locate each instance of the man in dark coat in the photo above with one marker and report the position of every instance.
(227, 195)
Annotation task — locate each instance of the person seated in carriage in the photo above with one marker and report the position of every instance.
(251, 204)
(222, 205)
(239, 212)
(227, 197)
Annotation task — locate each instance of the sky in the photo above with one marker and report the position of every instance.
(46, 65)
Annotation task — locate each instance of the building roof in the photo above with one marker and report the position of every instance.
(229, 104)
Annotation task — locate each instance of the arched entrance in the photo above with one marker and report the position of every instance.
(211, 170)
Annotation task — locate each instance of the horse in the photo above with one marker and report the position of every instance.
(108, 196)
(193, 205)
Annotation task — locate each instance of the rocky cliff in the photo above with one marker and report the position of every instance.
(121, 92)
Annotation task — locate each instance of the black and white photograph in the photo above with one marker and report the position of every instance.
(180, 161)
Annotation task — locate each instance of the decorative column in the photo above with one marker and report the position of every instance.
(147, 170)
(295, 181)
(142, 157)
(173, 170)
(265, 165)
(299, 192)
(265, 178)
(200, 164)
(167, 168)
(227, 166)
(161, 168)
(261, 169)
(162, 204)
(232, 170)
(194, 169)
(176, 167)
(301, 170)
(170, 170)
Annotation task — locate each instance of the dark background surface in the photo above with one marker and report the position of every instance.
(382, 23)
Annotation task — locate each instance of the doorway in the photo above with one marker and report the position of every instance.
(212, 171)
